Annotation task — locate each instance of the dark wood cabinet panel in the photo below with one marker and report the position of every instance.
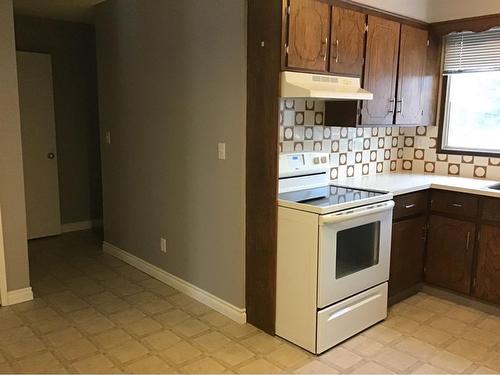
(487, 284)
(308, 35)
(380, 71)
(412, 64)
(454, 203)
(450, 248)
(344, 113)
(347, 47)
(430, 88)
(410, 204)
(407, 254)
(491, 209)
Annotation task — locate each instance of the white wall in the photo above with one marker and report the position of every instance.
(172, 83)
(11, 164)
(443, 10)
(436, 10)
(418, 9)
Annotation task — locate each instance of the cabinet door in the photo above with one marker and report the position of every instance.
(347, 46)
(308, 33)
(407, 254)
(488, 265)
(412, 64)
(450, 250)
(380, 71)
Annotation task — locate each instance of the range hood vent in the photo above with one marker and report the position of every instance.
(304, 85)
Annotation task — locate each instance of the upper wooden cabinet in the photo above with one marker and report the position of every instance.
(412, 66)
(308, 34)
(381, 70)
(324, 38)
(398, 62)
(395, 54)
(347, 47)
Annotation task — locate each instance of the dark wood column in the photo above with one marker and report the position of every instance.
(264, 62)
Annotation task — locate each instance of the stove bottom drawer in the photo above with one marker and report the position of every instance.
(344, 319)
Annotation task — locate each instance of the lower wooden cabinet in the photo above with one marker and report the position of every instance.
(450, 253)
(487, 285)
(407, 254)
(456, 247)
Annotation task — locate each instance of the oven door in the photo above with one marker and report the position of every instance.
(354, 251)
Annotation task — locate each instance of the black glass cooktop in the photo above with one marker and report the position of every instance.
(328, 195)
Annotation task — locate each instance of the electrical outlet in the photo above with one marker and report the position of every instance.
(163, 245)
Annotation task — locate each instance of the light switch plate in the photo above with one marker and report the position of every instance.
(221, 147)
(108, 137)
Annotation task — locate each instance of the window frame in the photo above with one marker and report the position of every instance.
(443, 115)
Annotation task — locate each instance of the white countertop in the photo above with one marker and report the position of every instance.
(403, 183)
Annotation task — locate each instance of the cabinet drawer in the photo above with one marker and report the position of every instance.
(410, 204)
(491, 209)
(344, 319)
(454, 203)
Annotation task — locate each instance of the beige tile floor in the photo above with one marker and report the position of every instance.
(93, 313)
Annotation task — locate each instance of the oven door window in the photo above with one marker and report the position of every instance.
(358, 248)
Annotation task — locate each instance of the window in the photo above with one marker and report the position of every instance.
(471, 88)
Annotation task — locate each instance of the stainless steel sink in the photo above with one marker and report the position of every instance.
(494, 187)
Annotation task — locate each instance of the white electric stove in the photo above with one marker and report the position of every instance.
(304, 184)
(333, 254)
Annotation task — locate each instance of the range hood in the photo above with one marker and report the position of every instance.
(320, 86)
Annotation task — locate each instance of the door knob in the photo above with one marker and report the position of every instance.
(51, 155)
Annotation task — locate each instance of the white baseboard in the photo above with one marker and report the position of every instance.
(235, 313)
(19, 296)
(81, 225)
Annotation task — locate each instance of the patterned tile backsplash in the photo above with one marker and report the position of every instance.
(353, 152)
(420, 156)
(366, 151)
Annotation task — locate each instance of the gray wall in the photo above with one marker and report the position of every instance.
(72, 46)
(11, 165)
(172, 85)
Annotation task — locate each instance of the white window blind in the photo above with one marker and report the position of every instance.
(472, 52)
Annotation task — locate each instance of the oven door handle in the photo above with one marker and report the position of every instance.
(358, 212)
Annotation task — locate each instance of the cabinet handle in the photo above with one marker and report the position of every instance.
(400, 101)
(391, 106)
(468, 241)
(424, 233)
(457, 205)
(337, 51)
(325, 46)
(410, 205)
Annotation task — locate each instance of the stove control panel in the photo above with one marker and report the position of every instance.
(303, 163)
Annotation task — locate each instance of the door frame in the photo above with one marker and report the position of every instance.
(4, 300)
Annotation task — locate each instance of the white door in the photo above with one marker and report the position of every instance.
(36, 99)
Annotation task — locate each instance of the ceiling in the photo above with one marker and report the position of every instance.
(66, 10)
